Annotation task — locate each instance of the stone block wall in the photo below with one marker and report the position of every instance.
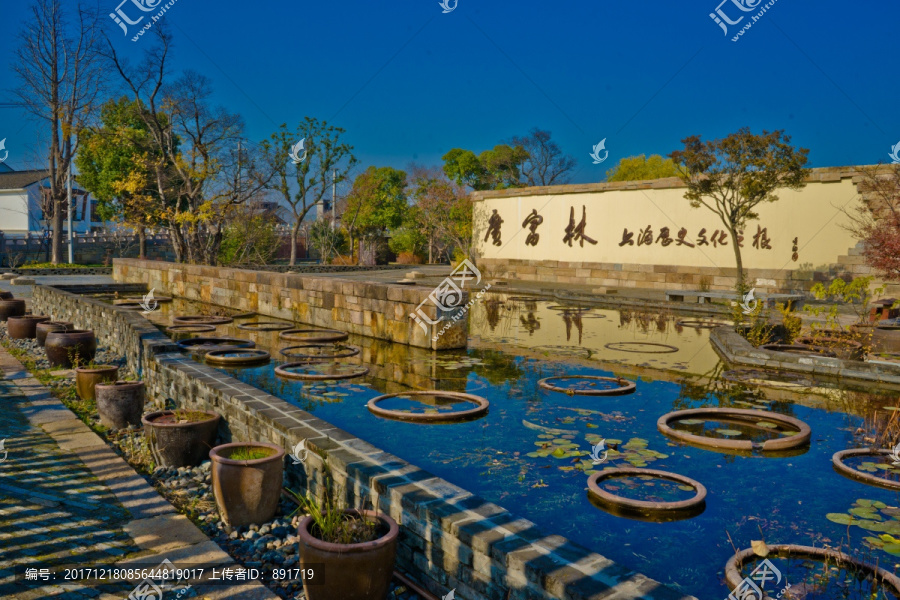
(376, 310)
(449, 537)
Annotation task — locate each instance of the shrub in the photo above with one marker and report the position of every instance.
(408, 258)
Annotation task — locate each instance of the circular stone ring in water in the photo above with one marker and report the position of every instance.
(265, 326)
(746, 417)
(201, 320)
(625, 386)
(336, 351)
(313, 335)
(838, 462)
(190, 328)
(698, 324)
(282, 371)
(237, 357)
(690, 507)
(733, 567)
(462, 415)
(206, 344)
(640, 347)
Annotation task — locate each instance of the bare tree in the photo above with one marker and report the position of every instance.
(199, 163)
(61, 75)
(546, 163)
(302, 184)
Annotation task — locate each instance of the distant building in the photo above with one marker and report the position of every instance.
(25, 206)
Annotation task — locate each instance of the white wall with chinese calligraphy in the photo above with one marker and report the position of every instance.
(600, 228)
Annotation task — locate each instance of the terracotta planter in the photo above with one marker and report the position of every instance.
(42, 329)
(844, 347)
(63, 347)
(11, 308)
(247, 491)
(88, 377)
(23, 328)
(353, 571)
(120, 403)
(180, 444)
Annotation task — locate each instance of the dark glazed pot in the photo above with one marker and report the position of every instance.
(247, 491)
(88, 377)
(353, 571)
(42, 329)
(23, 328)
(844, 347)
(6, 296)
(120, 403)
(11, 308)
(180, 444)
(64, 347)
(886, 338)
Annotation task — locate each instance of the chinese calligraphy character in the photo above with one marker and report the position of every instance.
(576, 233)
(664, 237)
(740, 238)
(761, 239)
(645, 236)
(493, 230)
(701, 238)
(719, 237)
(532, 222)
(627, 238)
(682, 233)
(796, 251)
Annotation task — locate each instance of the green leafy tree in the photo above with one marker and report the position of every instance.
(495, 169)
(638, 168)
(376, 203)
(733, 175)
(328, 160)
(250, 237)
(116, 160)
(443, 211)
(328, 240)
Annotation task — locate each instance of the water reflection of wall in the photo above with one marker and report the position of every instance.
(656, 339)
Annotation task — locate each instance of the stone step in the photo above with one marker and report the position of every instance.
(851, 260)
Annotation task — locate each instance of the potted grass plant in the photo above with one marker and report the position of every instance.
(182, 437)
(246, 481)
(355, 548)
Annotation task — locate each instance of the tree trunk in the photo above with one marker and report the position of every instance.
(430, 244)
(56, 239)
(740, 286)
(295, 232)
(142, 243)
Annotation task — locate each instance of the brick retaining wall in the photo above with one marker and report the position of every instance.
(449, 538)
(377, 310)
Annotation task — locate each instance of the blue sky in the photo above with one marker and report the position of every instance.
(408, 82)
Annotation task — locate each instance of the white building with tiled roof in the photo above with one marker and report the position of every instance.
(22, 202)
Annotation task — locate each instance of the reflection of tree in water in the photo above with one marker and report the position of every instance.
(570, 317)
(643, 320)
(492, 308)
(530, 323)
(497, 368)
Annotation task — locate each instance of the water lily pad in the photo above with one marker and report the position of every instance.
(728, 432)
(841, 519)
(767, 425)
(691, 421)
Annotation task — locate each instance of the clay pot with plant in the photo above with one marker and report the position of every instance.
(246, 481)
(120, 403)
(180, 438)
(13, 307)
(356, 550)
(42, 329)
(24, 327)
(88, 376)
(72, 348)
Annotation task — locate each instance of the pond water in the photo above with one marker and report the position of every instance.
(531, 452)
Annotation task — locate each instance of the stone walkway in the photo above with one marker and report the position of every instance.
(68, 500)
